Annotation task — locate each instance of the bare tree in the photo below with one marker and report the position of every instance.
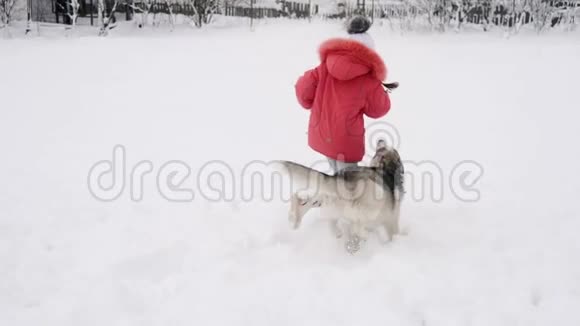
(6, 11)
(541, 12)
(106, 17)
(571, 14)
(145, 10)
(427, 8)
(444, 10)
(510, 15)
(203, 11)
(406, 15)
(487, 13)
(71, 8)
(403, 14)
(171, 14)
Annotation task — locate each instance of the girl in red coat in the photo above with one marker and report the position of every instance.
(345, 86)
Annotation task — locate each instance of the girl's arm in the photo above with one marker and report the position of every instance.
(306, 88)
(378, 102)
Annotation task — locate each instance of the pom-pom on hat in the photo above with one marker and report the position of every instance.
(357, 28)
(358, 24)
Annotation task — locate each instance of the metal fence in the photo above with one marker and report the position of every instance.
(57, 11)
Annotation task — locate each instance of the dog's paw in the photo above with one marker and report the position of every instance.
(352, 246)
(294, 220)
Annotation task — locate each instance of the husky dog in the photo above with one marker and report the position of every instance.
(369, 198)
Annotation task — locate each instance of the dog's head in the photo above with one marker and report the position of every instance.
(386, 157)
(389, 164)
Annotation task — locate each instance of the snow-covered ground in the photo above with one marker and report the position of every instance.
(66, 258)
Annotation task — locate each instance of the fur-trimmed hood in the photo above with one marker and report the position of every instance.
(347, 59)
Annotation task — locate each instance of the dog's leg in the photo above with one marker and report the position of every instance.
(392, 228)
(383, 234)
(335, 228)
(334, 219)
(297, 210)
(357, 234)
(395, 226)
(361, 231)
(299, 206)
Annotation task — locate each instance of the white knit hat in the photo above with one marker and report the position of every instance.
(364, 38)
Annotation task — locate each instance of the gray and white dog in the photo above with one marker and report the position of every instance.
(368, 198)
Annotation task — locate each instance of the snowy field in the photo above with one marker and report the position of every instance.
(509, 258)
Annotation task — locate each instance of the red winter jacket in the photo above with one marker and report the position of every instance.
(344, 87)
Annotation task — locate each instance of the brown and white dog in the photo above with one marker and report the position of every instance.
(368, 198)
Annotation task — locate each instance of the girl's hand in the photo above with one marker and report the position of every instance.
(389, 87)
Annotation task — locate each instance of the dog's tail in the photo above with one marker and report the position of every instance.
(305, 179)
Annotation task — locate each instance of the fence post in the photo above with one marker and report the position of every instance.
(252, 14)
(28, 17)
(129, 11)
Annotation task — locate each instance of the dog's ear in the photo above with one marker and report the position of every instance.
(381, 143)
